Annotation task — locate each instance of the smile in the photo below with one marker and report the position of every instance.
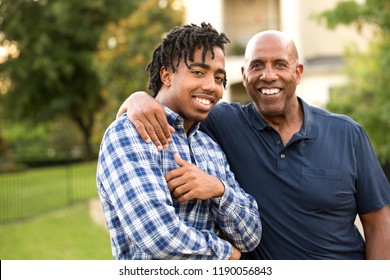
(203, 101)
(269, 91)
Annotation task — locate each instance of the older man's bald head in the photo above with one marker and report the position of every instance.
(271, 39)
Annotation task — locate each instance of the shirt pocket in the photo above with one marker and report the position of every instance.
(324, 190)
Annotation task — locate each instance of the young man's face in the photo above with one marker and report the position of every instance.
(195, 90)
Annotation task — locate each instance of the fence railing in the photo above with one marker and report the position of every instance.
(32, 191)
(27, 192)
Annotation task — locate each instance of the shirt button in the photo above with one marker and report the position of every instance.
(282, 156)
(278, 142)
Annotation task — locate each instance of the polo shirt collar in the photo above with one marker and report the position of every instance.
(309, 127)
(308, 130)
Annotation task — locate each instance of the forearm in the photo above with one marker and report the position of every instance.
(157, 230)
(378, 246)
(238, 217)
(183, 242)
(376, 227)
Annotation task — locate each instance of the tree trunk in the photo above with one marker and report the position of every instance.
(86, 130)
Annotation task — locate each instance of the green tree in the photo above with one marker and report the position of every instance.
(52, 72)
(366, 98)
(126, 47)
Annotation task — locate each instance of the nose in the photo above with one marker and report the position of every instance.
(209, 83)
(268, 75)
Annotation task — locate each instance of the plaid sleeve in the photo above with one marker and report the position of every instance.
(137, 190)
(237, 215)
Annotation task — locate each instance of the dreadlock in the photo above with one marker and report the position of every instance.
(181, 43)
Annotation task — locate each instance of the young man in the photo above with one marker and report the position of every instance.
(182, 202)
(310, 171)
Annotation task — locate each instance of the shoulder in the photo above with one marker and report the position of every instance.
(324, 117)
(221, 117)
(226, 108)
(122, 124)
(225, 112)
(122, 132)
(225, 119)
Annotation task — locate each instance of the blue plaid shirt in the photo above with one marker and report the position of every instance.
(145, 222)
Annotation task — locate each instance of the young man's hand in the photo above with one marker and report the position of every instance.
(236, 255)
(189, 182)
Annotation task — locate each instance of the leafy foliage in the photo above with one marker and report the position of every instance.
(126, 47)
(366, 98)
(53, 74)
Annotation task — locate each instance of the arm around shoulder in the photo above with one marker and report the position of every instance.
(148, 117)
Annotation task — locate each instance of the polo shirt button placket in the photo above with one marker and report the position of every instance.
(282, 162)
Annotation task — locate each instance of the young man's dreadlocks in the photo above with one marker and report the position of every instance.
(181, 43)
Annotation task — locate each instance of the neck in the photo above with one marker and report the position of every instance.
(187, 126)
(162, 98)
(288, 123)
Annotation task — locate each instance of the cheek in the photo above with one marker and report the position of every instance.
(219, 93)
(292, 85)
(251, 78)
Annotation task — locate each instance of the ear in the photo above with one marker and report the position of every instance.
(298, 73)
(243, 75)
(166, 75)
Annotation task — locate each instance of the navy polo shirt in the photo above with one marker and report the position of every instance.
(308, 191)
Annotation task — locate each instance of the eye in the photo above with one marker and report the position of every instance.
(281, 65)
(257, 66)
(198, 73)
(219, 79)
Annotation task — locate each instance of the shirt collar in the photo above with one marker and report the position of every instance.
(308, 130)
(177, 122)
(310, 127)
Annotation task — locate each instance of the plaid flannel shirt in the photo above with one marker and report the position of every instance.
(145, 222)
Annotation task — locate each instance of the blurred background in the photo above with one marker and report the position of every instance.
(67, 65)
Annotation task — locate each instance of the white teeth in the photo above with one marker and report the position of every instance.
(203, 101)
(269, 91)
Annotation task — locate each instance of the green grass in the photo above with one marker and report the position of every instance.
(38, 190)
(58, 226)
(67, 234)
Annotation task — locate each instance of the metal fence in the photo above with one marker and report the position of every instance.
(30, 191)
(27, 192)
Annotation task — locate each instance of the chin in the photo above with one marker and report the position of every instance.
(200, 117)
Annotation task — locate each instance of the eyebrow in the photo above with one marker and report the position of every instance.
(206, 66)
(263, 60)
